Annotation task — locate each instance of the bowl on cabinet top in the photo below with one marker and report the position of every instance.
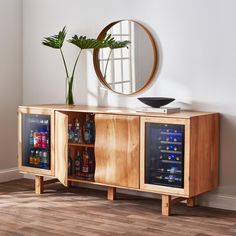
(156, 101)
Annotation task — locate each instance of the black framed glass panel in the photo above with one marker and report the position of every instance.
(36, 141)
(164, 162)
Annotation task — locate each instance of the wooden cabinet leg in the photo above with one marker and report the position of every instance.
(111, 193)
(166, 204)
(38, 184)
(191, 202)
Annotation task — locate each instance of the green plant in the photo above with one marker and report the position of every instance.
(82, 42)
(113, 44)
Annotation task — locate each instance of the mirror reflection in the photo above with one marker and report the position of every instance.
(127, 69)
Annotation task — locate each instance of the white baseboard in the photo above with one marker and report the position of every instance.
(9, 174)
(225, 202)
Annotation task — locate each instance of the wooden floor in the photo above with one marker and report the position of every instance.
(81, 211)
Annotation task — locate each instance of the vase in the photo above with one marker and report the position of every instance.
(69, 91)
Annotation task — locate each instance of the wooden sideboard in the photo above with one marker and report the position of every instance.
(129, 150)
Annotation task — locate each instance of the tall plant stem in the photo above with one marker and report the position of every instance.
(76, 61)
(64, 62)
(108, 59)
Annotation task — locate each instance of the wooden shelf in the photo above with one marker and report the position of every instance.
(81, 180)
(81, 145)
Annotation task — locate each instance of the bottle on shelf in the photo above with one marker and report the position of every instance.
(70, 134)
(44, 139)
(78, 132)
(41, 159)
(31, 158)
(70, 164)
(36, 134)
(85, 166)
(78, 164)
(45, 161)
(36, 159)
(91, 165)
(89, 130)
(31, 141)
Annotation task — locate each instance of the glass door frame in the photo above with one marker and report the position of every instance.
(184, 192)
(28, 169)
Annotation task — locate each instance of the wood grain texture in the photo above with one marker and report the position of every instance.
(117, 150)
(166, 205)
(111, 110)
(191, 202)
(61, 147)
(42, 111)
(38, 184)
(204, 152)
(81, 211)
(111, 193)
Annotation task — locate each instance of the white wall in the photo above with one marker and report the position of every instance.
(10, 81)
(198, 46)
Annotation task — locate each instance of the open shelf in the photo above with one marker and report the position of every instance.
(81, 145)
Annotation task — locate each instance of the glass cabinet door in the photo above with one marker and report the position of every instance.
(36, 141)
(164, 160)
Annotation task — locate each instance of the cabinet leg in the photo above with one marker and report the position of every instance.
(38, 184)
(111, 193)
(166, 204)
(191, 202)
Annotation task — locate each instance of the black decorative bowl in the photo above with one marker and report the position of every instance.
(156, 101)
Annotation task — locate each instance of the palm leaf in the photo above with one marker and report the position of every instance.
(55, 41)
(119, 44)
(86, 43)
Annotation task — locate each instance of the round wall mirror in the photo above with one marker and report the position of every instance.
(128, 69)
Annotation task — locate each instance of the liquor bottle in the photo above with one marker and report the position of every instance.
(70, 164)
(70, 134)
(85, 166)
(31, 138)
(78, 132)
(89, 133)
(91, 164)
(78, 164)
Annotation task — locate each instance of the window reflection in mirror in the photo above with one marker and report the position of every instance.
(127, 70)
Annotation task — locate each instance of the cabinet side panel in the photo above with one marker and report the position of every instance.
(61, 147)
(117, 150)
(19, 140)
(204, 146)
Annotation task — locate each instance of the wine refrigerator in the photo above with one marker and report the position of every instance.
(164, 154)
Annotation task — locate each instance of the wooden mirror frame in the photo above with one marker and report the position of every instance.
(155, 65)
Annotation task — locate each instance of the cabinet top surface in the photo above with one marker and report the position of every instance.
(109, 110)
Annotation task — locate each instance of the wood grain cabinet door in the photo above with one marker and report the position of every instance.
(117, 150)
(61, 147)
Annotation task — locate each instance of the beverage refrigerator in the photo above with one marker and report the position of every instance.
(36, 141)
(164, 154)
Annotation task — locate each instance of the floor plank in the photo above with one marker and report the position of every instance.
(79, 211)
